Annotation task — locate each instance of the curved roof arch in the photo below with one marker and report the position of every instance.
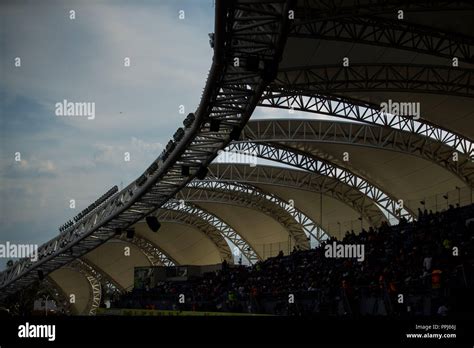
(85, 282)
(383, 31)
(334, 216)
(271, 205)
(186, 244)
(386, 63)
(224, 229)
(105, 278)
(237, 33)
(410, 178)
(306, 133)
(189, 217)
(314, 10)
(254, 225)
(156, 255)
(63, 302)
(387, 77)
(299, 180)
(387, 59)
(73, 282)
(249, 197)
(404, 59)
(93, 278)
(299, 159)
(367, 112)
(117, 262)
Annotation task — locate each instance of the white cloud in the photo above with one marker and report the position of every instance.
(136, 107)
(170, 61)
(30, 168)
(141, 153)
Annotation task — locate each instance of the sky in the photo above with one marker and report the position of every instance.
(83, 60)
(56, 50)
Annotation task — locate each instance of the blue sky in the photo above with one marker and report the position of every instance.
(82, 60)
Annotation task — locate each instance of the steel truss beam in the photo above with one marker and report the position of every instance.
(299, 226)
(107, 281)
(385, 32)
(367, 113)
(231, 94)
(59, 296)
(414, 78)
(305, 133)
(299, 180)
(201, 216)
(300, 160)
(154, 254)
(209, 230)
(343, 8)
(94, 278)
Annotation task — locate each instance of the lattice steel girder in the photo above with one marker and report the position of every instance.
(212, 220)
(210, 231)
(364, 112)
(386, 32)
(103, 276)
(415, 78)
(153, 253)
(307, 132)
(94, 278)
(285, 219)
(24, 271)
(299, 180)
(58, 294)
(144, 196)
(299, 160)
(300, 227)
(312, 9)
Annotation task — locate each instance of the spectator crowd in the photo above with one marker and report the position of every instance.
(408, 269)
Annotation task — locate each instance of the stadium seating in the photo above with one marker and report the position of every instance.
(410, 269)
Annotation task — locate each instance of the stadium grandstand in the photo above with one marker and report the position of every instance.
(352, 196)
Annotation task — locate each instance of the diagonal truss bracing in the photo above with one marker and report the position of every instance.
(415, 78)
(300, 227)
(392, 206)
(306, 133)
(299, 180)
(364, 112)
(212, 220)
(187, 216)
(248, 30)
(153, 253)
(384, 32)
(94, 278)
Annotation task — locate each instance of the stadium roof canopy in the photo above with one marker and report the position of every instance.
(333, 152)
